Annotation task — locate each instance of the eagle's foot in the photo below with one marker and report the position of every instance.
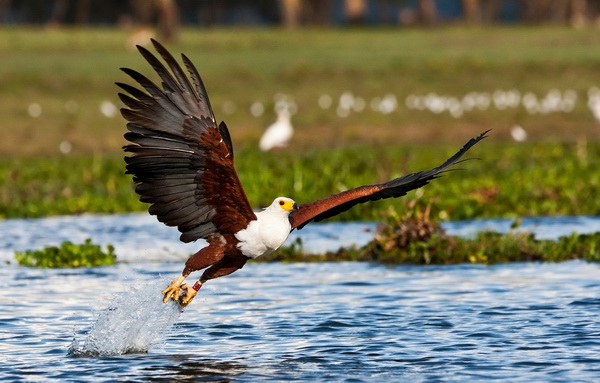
(173, 291)
(188, 295)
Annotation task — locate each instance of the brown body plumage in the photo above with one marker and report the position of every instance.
(182, 163)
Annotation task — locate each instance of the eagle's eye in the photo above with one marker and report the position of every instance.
(281, 203)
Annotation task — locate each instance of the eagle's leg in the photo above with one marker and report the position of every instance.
(202, 259)
(225, 266)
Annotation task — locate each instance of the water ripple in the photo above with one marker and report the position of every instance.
(139, 237)
(342, 322)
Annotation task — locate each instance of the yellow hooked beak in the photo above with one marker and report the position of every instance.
(288, 205)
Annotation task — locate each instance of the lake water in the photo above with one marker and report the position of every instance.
(339, 322)
(141, 238)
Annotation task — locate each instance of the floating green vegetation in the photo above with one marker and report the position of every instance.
(68, 255)
(510, 180)
(413, 238)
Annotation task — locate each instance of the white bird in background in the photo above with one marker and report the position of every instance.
(281, 131)
(594, 102)
(518, 133)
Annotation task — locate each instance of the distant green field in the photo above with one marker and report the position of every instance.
(68, 73)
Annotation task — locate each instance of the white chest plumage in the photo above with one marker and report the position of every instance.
(265, 234)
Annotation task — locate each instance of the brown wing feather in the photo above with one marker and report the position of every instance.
(338, 203)
(181, 160)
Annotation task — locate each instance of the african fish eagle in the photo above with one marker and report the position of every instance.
(182, 163)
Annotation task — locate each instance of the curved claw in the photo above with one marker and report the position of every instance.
(170, 292)
(173, 290)
(190, 293)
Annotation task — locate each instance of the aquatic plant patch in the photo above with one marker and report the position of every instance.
(68, 254)
(509, 180)
(414, 238)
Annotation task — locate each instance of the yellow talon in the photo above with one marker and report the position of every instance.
(173, 290)
(190, 293)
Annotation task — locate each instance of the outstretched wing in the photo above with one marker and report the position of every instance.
(181, 160)
(338, 203)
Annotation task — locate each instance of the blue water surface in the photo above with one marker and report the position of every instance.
(140, 237)
(338, 322)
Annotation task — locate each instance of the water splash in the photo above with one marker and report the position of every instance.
(133, 322)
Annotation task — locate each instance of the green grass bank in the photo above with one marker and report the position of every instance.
(66, 74)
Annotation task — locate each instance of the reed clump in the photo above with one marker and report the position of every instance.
(414, 238)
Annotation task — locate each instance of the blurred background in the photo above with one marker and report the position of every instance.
(376, 80)
(355, 70)
(294, 13)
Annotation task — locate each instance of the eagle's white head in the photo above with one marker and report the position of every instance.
(283, 203)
